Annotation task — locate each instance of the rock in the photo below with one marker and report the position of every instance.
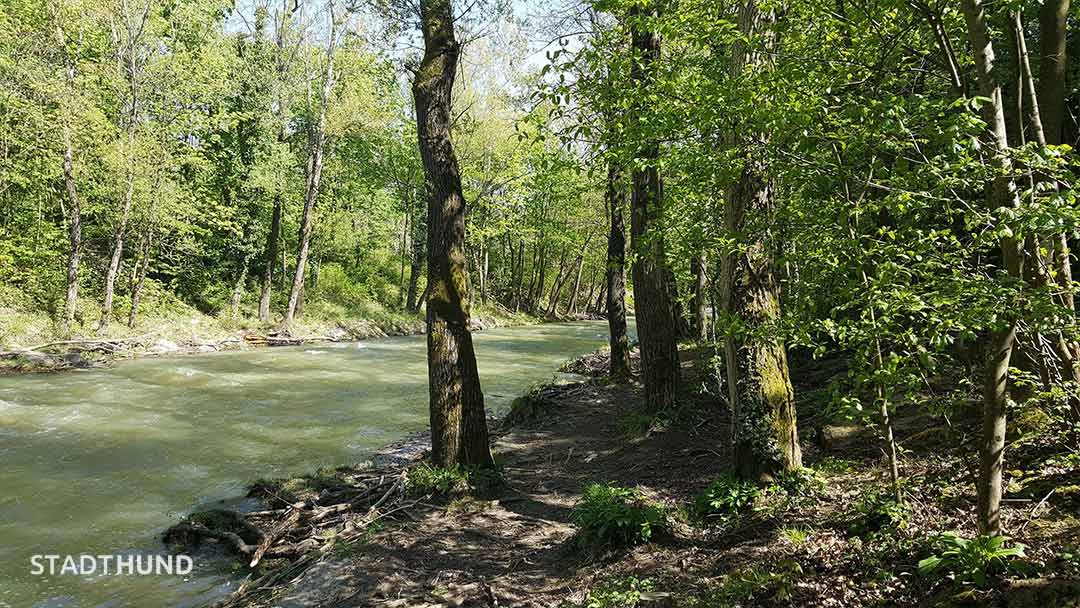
(163, 346)
(837, 437)
(206, 348)
(656, 599)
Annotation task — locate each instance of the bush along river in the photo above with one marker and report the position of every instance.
(99, 462)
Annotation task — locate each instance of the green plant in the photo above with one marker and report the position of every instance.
(831, 465)
(795, 536)
(609, 515)
(624, 592)
(748, 586)
(971, 561)
(427, 479)
(879, 510)
(728, 495)
(800, 483)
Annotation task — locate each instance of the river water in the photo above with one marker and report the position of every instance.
(101, 461)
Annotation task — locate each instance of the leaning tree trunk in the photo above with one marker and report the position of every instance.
(654, 308)
(314, 179)
(765, 438)
(615, 277)
(1001, 193)
(459, 434)
(117, 252)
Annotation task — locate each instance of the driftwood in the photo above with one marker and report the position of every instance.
(296, 530)
(107, 344)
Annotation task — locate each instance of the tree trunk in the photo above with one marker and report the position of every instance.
(1001, 193)
(242, 270)
(655, 312)
(117, 253)
(698, 305)
(272, 240)
(314, 178)
(1053, 68)
(74, 230)
(459, 433)
(765, 437)
(140, 277)
(615, 277)
(556, 287)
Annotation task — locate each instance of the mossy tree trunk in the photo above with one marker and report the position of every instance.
(615, 277)
(654, 309)
(459, 433)
(765, 437)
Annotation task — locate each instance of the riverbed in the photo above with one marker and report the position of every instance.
(101, 461)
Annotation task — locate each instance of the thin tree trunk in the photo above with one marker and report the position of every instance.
(242, 271)
(615, 277)
(272, 240)
(765, 437)
(1066, 353)
(698, 304)
(140, 280)
(654, 308)
(556, 287)
(1001, 193)
(314, 179)
(74, 230)
(459, 433)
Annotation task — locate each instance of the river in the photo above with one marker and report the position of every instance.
(101, 461)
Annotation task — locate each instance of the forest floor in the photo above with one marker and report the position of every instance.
(830, 543)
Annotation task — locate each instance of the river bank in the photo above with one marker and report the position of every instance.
(406, 536)
(101, 461)
(33, 344)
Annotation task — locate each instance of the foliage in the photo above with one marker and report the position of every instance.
(754, 585)
(727, 495)
(971, 561)
(425, 479)
(610, 516)
(622, 592)
(879, 510)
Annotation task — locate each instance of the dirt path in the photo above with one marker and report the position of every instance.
(519, 549)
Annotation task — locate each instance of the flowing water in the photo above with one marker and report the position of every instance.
(101, 461)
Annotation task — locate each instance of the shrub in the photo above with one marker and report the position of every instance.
(728, 495)
(609, 516)
(971, 561)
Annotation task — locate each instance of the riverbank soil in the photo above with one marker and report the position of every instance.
(34, 344)
(828, 542)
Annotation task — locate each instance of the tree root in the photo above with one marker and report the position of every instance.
(298, 531)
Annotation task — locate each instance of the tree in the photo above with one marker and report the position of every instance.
(760, 395)
(654, 309)
(615, 277)
(459, 433)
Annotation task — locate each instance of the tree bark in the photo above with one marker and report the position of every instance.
(655, 311)
(272, 240)
(314, 179)
(765, 437)
(459, 434)
(416, 264)
(1001, 193)
(615, 277)
(140, 277)
(1053, 68)
(74, 230)
(698, 303)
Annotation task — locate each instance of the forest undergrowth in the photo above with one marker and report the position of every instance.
(598, 505)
